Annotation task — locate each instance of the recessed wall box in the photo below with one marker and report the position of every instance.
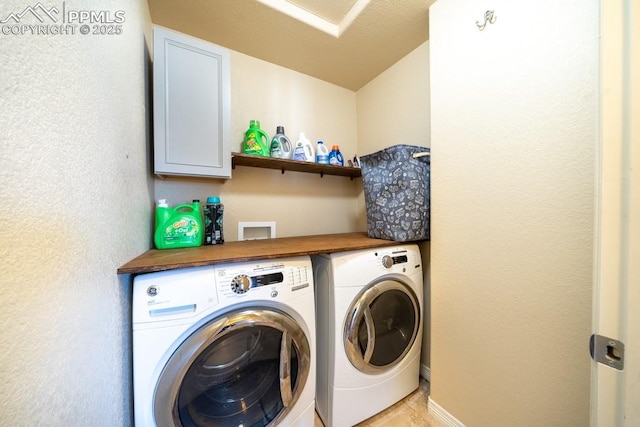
(256, 230)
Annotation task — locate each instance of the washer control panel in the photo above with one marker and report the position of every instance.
(268, 279)
(242, 283)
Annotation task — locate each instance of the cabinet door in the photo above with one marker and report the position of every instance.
(192, 104)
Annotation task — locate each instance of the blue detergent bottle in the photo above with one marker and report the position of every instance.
(335, 156)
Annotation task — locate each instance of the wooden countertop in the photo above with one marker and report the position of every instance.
(249, 250)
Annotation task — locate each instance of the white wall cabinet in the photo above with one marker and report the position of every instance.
(191, 106)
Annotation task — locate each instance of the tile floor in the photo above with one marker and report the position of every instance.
(410, 411)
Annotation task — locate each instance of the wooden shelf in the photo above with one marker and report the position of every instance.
(250, 250)
(239, 159)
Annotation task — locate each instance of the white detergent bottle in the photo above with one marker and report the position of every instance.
(303, 150)
(322, 153)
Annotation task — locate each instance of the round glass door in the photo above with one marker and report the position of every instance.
(382, 325)
(247, 368)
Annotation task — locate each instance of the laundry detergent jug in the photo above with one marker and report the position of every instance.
(178, 227)
(303, 150)
(322, 153)
(256, 141)
(280, 145)
(335, 156)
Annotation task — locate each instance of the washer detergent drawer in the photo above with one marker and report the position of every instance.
(173, 295)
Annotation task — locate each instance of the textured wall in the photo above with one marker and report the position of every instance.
(394, 108)
(75, 191)
(514, 110)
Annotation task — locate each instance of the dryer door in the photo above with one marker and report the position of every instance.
(246, 368)
(381, 326)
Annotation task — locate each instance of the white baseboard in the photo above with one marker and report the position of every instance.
(445, 418)
(438, 412)
(425, 372)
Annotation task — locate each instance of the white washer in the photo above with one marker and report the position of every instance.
(369, 331)
(225, 345)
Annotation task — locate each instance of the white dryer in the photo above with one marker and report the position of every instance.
(369, 331)
(225, 345)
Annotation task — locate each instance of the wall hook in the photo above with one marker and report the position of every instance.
(488, 17)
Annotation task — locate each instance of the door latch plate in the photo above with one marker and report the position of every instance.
(607, 351)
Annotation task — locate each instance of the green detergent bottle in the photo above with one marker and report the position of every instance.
(178, 227)
(256, 141)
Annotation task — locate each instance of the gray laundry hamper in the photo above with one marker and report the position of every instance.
(396, 193)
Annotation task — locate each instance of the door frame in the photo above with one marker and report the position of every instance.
(616, 295)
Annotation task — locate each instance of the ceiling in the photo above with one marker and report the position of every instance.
(344, 42)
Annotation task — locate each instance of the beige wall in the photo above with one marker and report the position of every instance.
(394, 108)
(75, 191)
(514, 110)
(299, 203)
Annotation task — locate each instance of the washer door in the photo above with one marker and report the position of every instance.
(245, 368)
(381, 326)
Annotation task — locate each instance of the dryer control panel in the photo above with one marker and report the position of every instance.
(359, 267)
(389, 261)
